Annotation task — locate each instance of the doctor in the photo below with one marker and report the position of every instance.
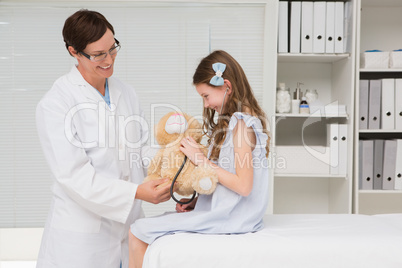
(92, 132)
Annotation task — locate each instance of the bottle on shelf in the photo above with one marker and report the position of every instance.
(311, 95)
(296, 99)
(283, 99)
(304, 107)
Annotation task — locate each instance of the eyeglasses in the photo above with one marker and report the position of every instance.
(102, 56)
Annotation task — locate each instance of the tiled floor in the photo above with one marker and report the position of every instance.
(17, 264)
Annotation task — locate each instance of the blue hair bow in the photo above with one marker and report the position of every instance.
(219, 68)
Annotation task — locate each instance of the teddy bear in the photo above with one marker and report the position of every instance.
(169, 131)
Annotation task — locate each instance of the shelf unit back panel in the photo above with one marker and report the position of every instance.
(311, 195)
(381, 27)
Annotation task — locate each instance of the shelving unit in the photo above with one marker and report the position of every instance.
(312, 115)
(362, 70)
(378, 26)
(288, 57)
(308, 175)
(303, 182)
(380, 131)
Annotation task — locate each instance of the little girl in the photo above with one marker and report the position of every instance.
(238, 150)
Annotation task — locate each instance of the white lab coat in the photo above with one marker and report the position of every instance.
(94, 153)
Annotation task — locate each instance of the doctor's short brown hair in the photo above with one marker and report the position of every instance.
(84, 27)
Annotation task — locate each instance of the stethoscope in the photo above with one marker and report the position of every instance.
(182, 166)
(173, 182)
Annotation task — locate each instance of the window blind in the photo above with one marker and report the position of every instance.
(161, 46)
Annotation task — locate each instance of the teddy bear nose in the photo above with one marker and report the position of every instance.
(176, 123)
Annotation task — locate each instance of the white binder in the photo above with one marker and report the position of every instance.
(388, 182)
(343, 149)
(398, 166)
(378, 164)
(319, 27)
(366, 152)
(348, 26)
(330, 28)
(307, 27)
(339, 24)
(388, 104)
(363, 104)
(295, 27)
(333, 145)
(283, 27)
(398, 104)
(374, 104)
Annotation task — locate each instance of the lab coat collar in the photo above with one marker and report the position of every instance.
(76, 78)
(92, 93)
(114, 91)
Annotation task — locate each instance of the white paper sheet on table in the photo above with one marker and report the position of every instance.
(331, 240)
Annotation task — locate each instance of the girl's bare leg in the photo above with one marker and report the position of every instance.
(137, 250)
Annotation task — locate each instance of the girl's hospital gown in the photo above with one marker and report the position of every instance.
(224, 211)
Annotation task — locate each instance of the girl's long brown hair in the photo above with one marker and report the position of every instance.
(241, 99)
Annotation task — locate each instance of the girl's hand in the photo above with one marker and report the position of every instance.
(192, 150)
(187, 207)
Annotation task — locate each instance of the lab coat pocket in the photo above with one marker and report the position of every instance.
(72, 217)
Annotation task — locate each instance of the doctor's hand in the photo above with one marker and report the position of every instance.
(153, 191)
